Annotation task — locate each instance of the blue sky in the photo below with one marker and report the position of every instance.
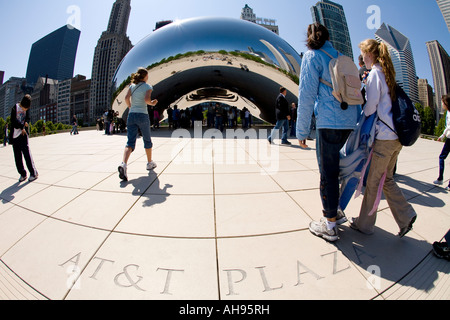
(24, 22)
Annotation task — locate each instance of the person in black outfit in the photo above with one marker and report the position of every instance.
(20, 118)
(283, 117)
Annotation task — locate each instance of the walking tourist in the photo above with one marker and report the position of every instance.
(283, 117)
(138, 97)
(333, 125)
(446, 149)
(20, 118)
(380, 92)
(74, 125)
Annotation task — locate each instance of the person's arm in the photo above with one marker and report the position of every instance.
(148, 99)
(128, 98)
(308, 91)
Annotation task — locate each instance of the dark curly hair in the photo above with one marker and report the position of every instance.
(317, 36)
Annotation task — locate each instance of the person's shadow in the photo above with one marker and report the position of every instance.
(151, 182)
(7, 195)
(395, 258)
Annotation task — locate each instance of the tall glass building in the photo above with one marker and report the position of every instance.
(402, 58)
(54, 55)
(332, 16)
(444, 5)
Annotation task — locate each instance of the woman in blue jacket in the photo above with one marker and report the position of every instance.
(333, 125)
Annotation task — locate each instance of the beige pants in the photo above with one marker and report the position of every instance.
(385, 155)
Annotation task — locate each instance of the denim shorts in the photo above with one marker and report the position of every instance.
(135, 122)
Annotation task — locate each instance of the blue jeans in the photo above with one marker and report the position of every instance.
(442, 157)
(136, 122)
(281, 124)
(329, 144)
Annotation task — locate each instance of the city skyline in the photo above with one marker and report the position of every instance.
(421, 23)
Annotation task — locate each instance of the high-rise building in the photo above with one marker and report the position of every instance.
(10, 93)
(111, 48)
(79, 98)
(440, 67)
(2, 75)
(444, 5)
(332, 16)
(44, 100)
(402, 58)
(54, 55)
(425, 93)
(270, 24)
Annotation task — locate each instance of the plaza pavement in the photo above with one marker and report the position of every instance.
(217, 220)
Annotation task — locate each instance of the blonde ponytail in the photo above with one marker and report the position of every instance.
(388, 68)
(381, 54)
(139, 76)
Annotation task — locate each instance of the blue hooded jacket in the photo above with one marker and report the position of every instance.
(316, 97)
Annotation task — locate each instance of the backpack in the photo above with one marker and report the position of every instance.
(346, 83)
(406, 118)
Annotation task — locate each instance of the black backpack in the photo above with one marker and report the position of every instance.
(406, 118)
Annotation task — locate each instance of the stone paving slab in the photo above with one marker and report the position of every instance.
(216, 220)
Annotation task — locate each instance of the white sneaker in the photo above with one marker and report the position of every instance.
(33, 178)
(151, 165)
(439, 182)
(123, 172)
(320, 229)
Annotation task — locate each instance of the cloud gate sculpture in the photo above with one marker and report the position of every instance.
(225, 60)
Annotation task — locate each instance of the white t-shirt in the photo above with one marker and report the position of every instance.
(379, 100)
(138, 104)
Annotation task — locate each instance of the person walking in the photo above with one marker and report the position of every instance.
(333, 125)
(283, 117)
(380, 92)
(6, 139)
(446, 149)
(138, 97)
(74, 125)
(20, 118)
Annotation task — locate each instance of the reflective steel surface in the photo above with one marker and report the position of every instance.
(213, 59)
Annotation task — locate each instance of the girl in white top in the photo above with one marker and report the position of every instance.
(138, 97)
(380, 93)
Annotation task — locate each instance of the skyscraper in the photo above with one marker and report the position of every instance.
(444, 5)
(440, 67)
(111, 48)
(332, 16)
(54, 55)
(402, 57)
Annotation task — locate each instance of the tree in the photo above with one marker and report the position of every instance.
(440, 127)
(428, 121)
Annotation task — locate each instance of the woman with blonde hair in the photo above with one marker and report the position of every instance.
(380, 92)
(138, 97)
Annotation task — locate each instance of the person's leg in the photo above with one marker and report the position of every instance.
(144, 125)
(329, 144)
(17, 149)
(285, 125)
(28, 158)
(274, 131)
(443, 156)
(132, 133)
(403, 212)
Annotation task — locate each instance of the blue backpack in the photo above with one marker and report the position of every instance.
(406, 118)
